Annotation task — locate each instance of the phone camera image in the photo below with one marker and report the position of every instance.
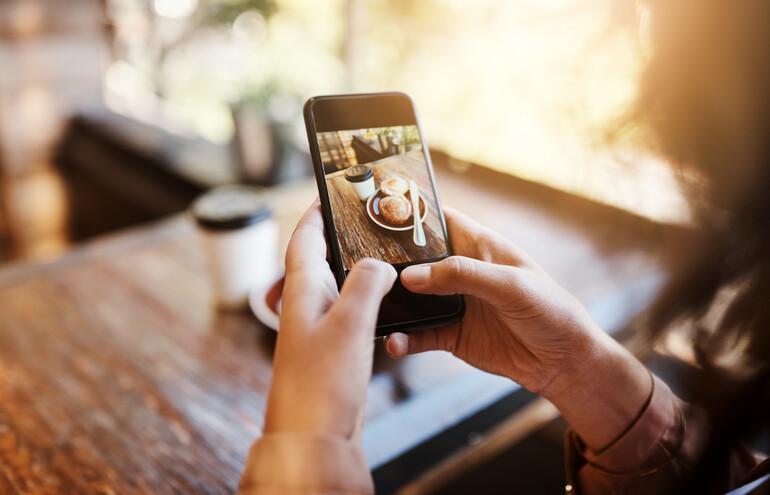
(381, 195)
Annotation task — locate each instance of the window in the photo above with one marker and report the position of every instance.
(524, 87)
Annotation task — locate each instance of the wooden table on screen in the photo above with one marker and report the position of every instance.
(360, 237)
(117, 375)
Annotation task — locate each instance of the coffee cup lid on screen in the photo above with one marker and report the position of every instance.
(359, 173)
(230, 208)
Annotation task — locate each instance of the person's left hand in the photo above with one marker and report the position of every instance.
(323, 356)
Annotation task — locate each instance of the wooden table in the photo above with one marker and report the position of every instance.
(117, 375)
(361, 238)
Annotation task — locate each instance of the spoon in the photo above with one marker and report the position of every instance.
(419, 233)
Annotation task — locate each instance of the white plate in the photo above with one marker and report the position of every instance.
(261, 309)
(407, 226)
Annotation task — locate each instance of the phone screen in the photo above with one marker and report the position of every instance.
(371, 174)
(379, 198)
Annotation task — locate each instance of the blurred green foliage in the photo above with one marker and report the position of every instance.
(217, 12)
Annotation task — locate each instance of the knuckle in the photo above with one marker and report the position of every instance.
(458, 265)
(291, 258)
(484, 242)
(295, 251)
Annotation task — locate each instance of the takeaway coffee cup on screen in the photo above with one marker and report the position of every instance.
(240, 239)
(361, 178)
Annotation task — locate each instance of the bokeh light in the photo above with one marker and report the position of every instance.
(174, 9)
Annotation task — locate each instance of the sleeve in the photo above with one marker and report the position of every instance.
(305, 463)
(658, 450)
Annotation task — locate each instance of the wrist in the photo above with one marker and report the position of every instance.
(291, 416)
(602, 392)
(295, 406)
(578, 367)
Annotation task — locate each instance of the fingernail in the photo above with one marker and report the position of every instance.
(416, 275)
(397, 345)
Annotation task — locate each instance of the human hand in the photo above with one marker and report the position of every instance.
(518, 323)
(521, 324)
(323, 355)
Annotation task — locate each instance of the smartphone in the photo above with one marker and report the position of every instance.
(379, 198)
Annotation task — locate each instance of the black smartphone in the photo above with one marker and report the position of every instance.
(379, 198)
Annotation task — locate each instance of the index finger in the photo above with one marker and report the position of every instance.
(307, 246)
(310, 286)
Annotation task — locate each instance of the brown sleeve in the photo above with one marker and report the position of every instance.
(305, 463)
(655, 452)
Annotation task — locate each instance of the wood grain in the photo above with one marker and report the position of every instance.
(118, 376)
(107, 386)
(359, 237)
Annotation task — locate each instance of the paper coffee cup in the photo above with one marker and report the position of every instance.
(362, 179)
(240, 240)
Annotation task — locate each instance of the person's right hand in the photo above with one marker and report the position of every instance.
(518, 323)
(521, 324)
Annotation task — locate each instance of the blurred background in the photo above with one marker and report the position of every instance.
(113, 112)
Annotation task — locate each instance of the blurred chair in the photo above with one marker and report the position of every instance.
(364, 152)
(121, 172)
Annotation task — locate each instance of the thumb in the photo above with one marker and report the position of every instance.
(398, 344)
(461, 275)
(361, 295)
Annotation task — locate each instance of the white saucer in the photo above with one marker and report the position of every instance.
(261, 309)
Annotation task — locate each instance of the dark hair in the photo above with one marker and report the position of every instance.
(706, 98)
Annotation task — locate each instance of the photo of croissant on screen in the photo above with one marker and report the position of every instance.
(381, 195)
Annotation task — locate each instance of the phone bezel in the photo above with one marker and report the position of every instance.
(395, 108)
